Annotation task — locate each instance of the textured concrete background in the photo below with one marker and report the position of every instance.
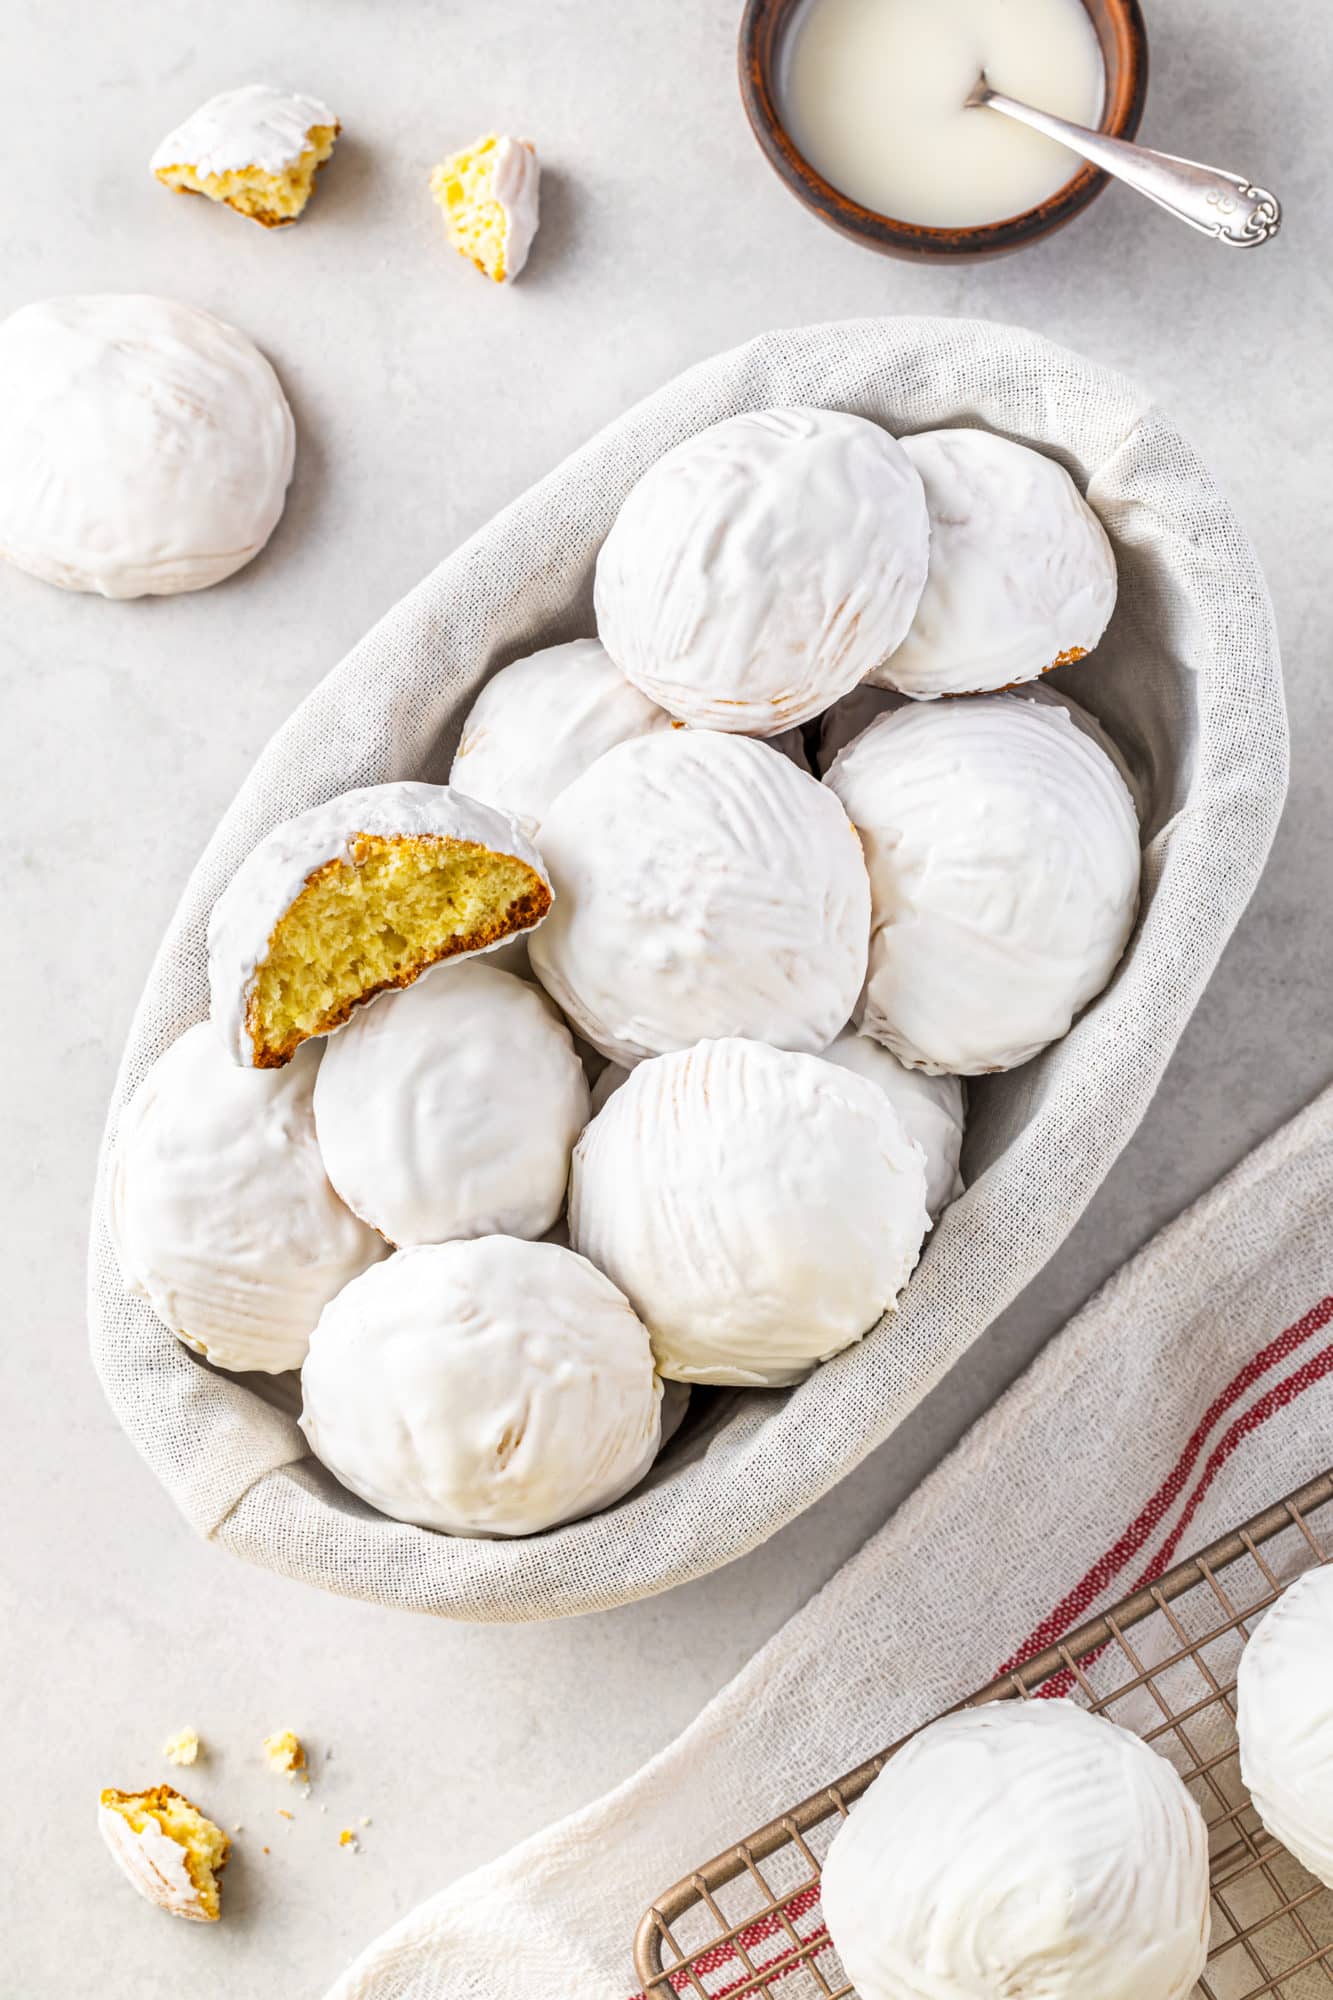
(424, 401)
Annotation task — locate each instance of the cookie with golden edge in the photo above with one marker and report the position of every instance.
(172, 1852)
(357, 896)
(256, 150)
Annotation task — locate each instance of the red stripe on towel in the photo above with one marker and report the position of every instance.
(1074, 1606)
(1079, 1601)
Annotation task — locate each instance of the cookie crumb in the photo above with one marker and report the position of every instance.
(284, 1752)
(182, 1748)
(347, 1838)
(284, 1814)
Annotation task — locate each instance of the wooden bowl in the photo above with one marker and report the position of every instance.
(1124, 43)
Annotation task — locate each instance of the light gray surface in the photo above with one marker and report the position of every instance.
(425, 399)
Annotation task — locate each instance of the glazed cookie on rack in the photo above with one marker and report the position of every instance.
(1284, 1719)
(704, 886)
(760, 1210)
(354, 897)
(451, 1108)
(221, 1213)
(541, 721)
(487, 1388)
(1022, 1847)
(762, 568)
(255, 149)
(1022, 577)
(1003, 852)
(145, 447)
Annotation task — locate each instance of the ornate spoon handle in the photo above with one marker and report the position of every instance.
(1225, 206)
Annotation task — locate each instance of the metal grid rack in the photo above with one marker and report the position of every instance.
(747, 1925)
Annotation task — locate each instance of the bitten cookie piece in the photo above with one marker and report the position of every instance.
(356, 896)
(255, 149)
(169, 1850)
(488, 192)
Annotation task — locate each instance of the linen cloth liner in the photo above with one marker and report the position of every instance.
(1194, 1390)
(1187, 680)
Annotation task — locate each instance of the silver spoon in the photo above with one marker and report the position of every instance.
(1225, 206)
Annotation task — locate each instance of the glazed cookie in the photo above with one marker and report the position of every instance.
(762, 568)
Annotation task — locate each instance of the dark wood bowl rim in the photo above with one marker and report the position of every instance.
(1120, 119)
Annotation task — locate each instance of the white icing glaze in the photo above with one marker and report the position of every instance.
(255, 126)
(1285, 1720)
(762, 568)
(451, 1108)
(1021, 571)
(145, 447)
(515, 184)
(220, 1210)
(1004, 865)
(273, 875)
(702, 888)
(1021, 1848)
(930, 1109)
(153, 1862)
(1048, 696)
(490, 1388)
(760, 1210)
(540, 722)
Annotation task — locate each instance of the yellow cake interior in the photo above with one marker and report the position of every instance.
(204, 1845)
(478, 225)
(360, 926)
(272, 199)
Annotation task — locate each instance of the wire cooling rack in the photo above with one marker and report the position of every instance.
(747, 1925)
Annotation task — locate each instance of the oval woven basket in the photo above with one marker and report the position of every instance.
(1187, 680)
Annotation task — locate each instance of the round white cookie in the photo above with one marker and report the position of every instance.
(220, 1210)
(1022, 576)
(274, 873)
(760, 1210)
(930, 1108)
(541, 721)
(145, 447)
(451, 1108)
(763, 567)
(254, 126)
(1285, 1720)
(703, 888)
(491, 1388)
(1024, 1847)
(1003, 853)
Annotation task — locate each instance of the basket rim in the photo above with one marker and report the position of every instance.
(282, 1517)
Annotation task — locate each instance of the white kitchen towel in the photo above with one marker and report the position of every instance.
(1188, 682)
(1195, 1389)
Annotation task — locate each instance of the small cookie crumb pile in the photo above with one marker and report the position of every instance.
(169, 1850)
(257, 150)
(488, 193)
(182, 1748)
(284, 1752)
